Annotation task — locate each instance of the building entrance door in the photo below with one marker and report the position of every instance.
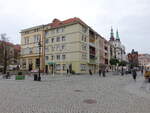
(30, 67)
(46, 69)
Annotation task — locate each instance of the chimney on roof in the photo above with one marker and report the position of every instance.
(56, 20)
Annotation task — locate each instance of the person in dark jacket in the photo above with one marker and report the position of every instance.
(134, 74)
(90, 72)
(142, 70)
(100, 71)
(67, 71)
(103, 72)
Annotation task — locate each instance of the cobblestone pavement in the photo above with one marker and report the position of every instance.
(75, 94)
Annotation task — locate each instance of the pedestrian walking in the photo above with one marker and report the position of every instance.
(68, 74)
(103, 73)
(100, 71)
(67, 71)
(134, 74)
(142, 70)
(90, 72)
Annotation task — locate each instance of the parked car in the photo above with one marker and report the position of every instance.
(147, 75)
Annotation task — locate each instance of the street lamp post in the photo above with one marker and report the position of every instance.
(39, 77)
(53, 66)
(122, 71)
(61, 64)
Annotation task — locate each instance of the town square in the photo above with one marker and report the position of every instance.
(74, 56)
(75, 94)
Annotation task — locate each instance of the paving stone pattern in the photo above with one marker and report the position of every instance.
(75, 94)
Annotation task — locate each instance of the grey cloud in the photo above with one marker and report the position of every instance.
(131, 17)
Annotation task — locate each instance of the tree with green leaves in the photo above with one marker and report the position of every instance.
(113, 62)
(122, 63)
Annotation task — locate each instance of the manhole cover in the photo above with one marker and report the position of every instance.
(78, 90)
(90, 101)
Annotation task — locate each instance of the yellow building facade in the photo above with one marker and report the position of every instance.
(68, 45)
(30, 39)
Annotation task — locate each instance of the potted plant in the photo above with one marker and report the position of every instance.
(20, 76)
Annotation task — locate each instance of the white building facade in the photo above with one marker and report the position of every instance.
(118, 48)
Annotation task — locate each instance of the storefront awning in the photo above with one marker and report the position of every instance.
(51, 63)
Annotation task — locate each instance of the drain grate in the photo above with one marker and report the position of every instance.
(78, 90)
(90, 101)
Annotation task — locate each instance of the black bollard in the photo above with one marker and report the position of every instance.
(35, 77)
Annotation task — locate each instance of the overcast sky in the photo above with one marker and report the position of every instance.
(130, 17)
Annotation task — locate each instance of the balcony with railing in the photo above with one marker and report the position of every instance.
(92, 59)
(92, 36)
(92, 51)
(92, 44)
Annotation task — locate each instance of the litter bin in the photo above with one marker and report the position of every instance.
(35, 77)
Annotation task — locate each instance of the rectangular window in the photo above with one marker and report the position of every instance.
(36, 30)
(53, 31)
(37, 62)
(58, 39)
(60, 30)
(84, 29)
(30, 61)
(46, 57)
(63, 47)
(58, 67)
(57, 47)
(63, 57)
(24, 63)
(36, 50)
(82, 37)
(83, 67)
(58, 57)
(64, 67)
(27, 32)
(22, 51)
(47, 33)
(84, 47)
(106, 48)
(27, 51)
(52, 57)
(46, 49)
(26, 39)
(52, 40)
(85, 38)
(53, 48)
(37, 38)
(63, 38)
(46, 41)
(84, 56)
(30, 50)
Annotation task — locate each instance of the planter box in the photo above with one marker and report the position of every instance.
(20, 77)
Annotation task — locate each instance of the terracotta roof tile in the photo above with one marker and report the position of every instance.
(17, 47)
(57, 23)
